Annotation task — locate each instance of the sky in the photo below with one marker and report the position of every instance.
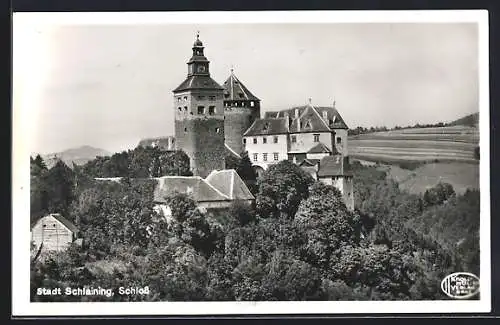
(109, 86)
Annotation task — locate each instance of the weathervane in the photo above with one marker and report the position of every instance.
(197, 34)
(310, 100)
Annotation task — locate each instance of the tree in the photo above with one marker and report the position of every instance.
(59, 182)
(281, 188)
(327, 224)
(438, 194)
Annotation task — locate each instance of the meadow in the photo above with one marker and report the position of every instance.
(419, 158)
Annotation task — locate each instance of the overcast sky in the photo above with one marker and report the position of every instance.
(110, 86)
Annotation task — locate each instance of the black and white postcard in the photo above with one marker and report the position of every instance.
(189, 163)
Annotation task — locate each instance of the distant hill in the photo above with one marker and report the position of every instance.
(469, 120)
(79, 155)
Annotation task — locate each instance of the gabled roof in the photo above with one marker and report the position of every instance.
(268, 126)
(68, 224)
(309, 162)
(198, 82)
(320, 148)
(234, 89)
(230, 184)
(334, 166)
(200, 190)
(309, 121)
(333, 118)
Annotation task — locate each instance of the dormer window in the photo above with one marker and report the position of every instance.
(252, 104)
(308, 124)
(241, 95)
(325, 115)
(266, 127)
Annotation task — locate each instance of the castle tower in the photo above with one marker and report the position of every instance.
(199, 116)
(241, 109)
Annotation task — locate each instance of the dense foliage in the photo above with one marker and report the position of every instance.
(299, 243)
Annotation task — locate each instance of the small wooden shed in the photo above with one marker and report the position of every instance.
(54, 231)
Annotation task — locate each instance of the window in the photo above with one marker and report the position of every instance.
(180, 109)
(244, 141)
(185, 97)
(276, 156)
(264, 140)
(264, 156)
(252, 104)
(226, 95)
(201, 110)
(185, 108)
(241, 95)
(211, 110)
(255, 157)
(212, 98)
(185, 130)
(254, 140)
(294, 138)
(339, 140)
(316, 137)
(201, 97)
(275, 139)
(179, 99)
(217, 130)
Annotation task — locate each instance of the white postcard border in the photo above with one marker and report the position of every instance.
(23, 122)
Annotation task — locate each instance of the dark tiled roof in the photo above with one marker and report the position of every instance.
(309, 121)
(309, 162)
(335, 121)
(200, 190)
(230, 184)
(198, 82)
(236, 90)
(319, 148)
(68, 224)
(268, 126)
(334, 166)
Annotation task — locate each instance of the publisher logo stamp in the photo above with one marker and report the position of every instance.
(460, 285)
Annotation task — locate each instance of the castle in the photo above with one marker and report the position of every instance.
(211, 120)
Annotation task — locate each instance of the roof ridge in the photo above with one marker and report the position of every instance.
(321, 118)
(215, 189)
(232, 151)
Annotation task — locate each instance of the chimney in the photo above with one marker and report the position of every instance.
(298, 124)
(296, 112)
(325, 116)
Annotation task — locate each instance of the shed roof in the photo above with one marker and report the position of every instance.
(335, 165)
(320, 148)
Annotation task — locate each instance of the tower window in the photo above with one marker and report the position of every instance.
(185, 130)
(275, 139)
(217, 130)
(255, 156)
(264, 156)
(226, 95)
(201, 110)
(252, 104)
(339, 140)
(276, 156)
(244, 141)
(254, 140)
(179, 99)
(264, 140)
(294, 138)
(185, 108)
(316, 137)
(185, 97)
(236, 104)
(180, 109)
(211, 110)
(241, 95)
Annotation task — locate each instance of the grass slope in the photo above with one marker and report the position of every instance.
(443, 144)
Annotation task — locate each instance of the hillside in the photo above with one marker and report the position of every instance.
(450, 143)
(469, 120)
(78, 155)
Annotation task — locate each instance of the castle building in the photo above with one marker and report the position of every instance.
(199, 116)
(241, 109)
(314, 138)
